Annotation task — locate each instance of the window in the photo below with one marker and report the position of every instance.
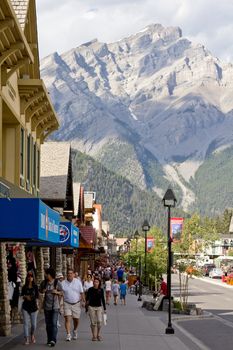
(38, 169)
(28, 159)
(34, 177)
(22, 153)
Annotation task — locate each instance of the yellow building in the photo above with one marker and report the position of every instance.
(27, 117)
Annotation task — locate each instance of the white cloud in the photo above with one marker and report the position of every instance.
(66, 24)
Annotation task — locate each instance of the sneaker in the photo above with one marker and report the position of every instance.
(51, 344)
(68, 337)
(75, 335)
(27, 342)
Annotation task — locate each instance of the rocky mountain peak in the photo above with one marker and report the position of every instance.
(164, 100)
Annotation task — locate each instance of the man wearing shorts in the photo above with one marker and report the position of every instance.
(73, 297)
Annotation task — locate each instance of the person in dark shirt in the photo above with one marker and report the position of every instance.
(96, 303)
(120, 273)
(30, 296)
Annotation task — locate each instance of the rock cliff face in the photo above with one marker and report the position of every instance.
(151, 107)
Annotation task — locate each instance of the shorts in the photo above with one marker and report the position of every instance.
(73, 310)
(96, 315)
(122, 296)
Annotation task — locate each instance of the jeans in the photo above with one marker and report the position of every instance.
(51, 317)
(27, 318)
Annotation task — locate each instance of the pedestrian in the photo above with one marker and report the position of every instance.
(76, 275)
(60, 278)
(120, 273)
(115, 291)
(96, 304)
(163, 287)
(88, 283)
(73, 295)
(108, 289)
(123, 290)
(52, 292)
(30, 295)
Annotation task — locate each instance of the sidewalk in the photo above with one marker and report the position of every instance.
(129, 328)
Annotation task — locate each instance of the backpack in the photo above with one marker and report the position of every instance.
(43, 286)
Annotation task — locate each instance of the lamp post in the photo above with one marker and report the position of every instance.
(145, 228)
(136, 236)
(169, 200)
(139, 286)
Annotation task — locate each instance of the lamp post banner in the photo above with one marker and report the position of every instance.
(150, 244)
(176, 229)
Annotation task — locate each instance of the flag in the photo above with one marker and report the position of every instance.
(176, 228)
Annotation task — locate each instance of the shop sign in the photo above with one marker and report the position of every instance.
(69, 234)
(28, 219)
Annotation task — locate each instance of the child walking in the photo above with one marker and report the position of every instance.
(123, 290)
(115, 291)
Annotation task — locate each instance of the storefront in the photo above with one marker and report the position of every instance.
(24, 220)
(69, 238)
(28, 219)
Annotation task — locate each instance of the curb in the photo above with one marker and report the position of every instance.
(224, 285)
(205, 315)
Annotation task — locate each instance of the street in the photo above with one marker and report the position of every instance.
(211, 295)
(216, 298)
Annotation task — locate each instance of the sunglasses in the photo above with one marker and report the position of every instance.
(30, 275)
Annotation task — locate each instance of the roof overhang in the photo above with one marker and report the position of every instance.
(15, 191)
(14, 48)
(37, 107)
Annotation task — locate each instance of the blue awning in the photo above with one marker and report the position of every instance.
(25, 219)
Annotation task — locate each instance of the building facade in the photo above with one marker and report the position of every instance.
(27, 117)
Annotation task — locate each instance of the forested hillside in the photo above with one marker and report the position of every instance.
(213, 184)
(125, 206)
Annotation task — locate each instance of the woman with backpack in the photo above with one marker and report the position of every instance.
(30, 295)
(52, 291)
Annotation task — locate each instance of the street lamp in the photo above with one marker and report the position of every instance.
(136, 236)
(169, 201)
(145, 228)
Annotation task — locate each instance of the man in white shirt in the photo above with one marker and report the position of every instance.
(73, 296)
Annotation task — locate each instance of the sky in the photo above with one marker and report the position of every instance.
(65, 24)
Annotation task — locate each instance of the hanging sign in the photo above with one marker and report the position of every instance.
(176, 228)
(150, 243)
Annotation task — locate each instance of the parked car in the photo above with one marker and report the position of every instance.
(207, 268)
(216, 273)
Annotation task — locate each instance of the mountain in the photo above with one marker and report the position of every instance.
(152, 107)
(125, 206)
